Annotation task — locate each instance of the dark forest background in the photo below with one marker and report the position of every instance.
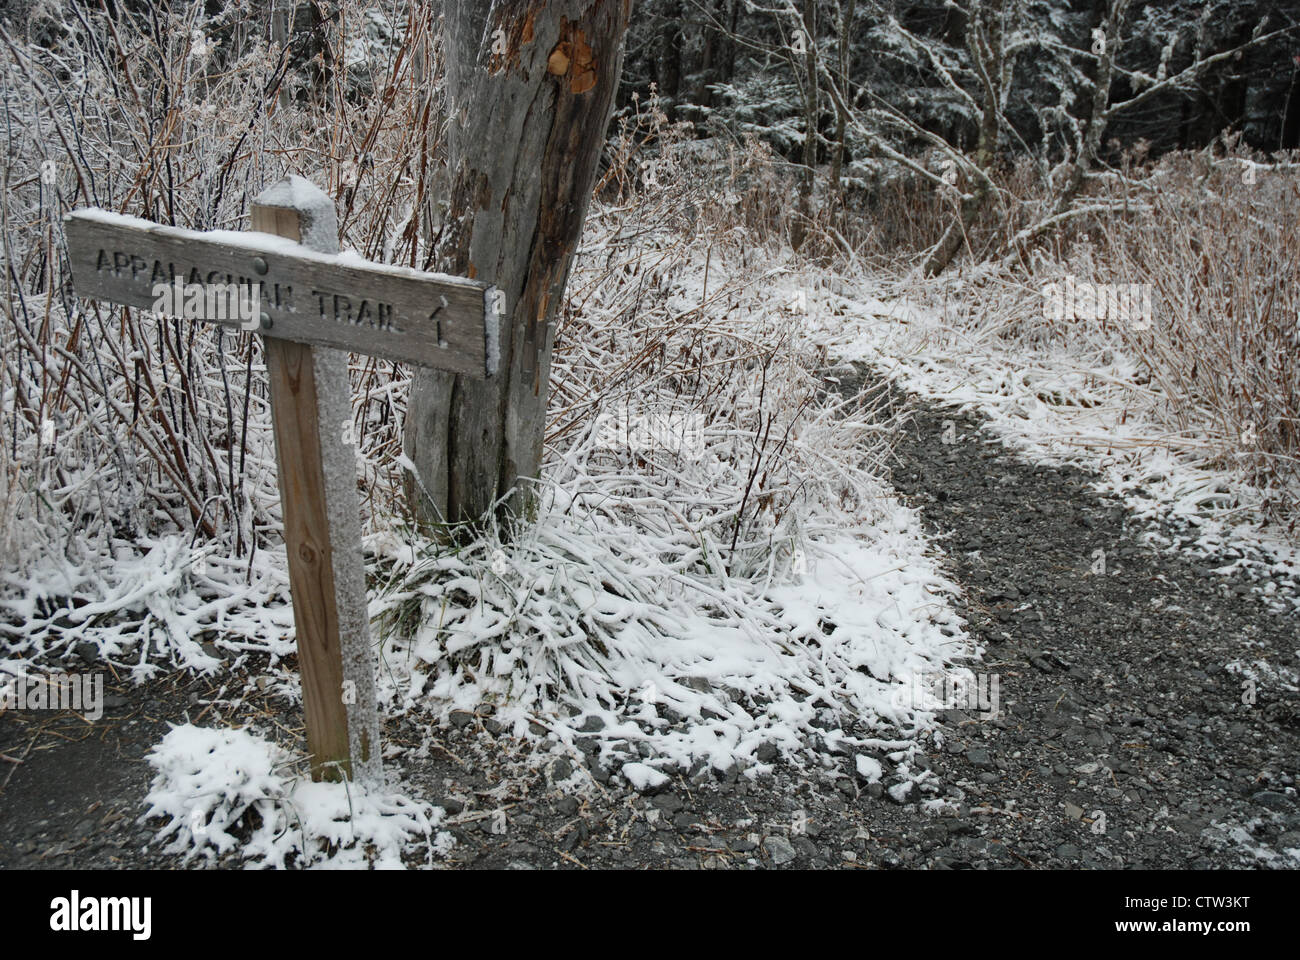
(730, 66)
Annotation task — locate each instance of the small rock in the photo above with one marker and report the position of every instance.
(868, 768)
(1288, 841)
(779, 849)
(567, 806)
(1272, 799)
(644, 778)
(667, 802)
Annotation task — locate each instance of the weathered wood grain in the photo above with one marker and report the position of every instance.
(428, 319)
(322, 535)
(530, 88)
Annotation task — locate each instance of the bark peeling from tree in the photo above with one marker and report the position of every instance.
(531, 87)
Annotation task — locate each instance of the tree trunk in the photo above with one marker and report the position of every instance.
(670, 58)
(803, 208)
(708, 72)
(733, 12)
(530, 87)
(847, 12)
(985, 41)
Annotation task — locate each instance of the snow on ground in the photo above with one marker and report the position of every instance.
(632, 606)
(1078, 400)
(144, 605)
(222, 792)
(632, 610)
(743, 664)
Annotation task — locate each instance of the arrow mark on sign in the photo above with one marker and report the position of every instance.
(433, 317)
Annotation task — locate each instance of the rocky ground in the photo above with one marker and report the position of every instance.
(1126, 735)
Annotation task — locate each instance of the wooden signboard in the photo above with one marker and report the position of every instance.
(312, 307)
(329, 300)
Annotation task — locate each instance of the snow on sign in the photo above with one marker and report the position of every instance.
(333, 300)
(287, 281)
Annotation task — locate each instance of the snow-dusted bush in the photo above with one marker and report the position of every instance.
(126, 437)
(1220, 247)
(120, 427)
(230, 793)
(1195, 404)
(735, 561)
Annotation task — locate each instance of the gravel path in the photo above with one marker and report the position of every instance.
(1122, 739)
(1122, 693)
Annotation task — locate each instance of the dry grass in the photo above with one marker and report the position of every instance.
(1215, 234)
(1223, 256)
(118, 425)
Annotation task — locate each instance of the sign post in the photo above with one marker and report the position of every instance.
(314, 306)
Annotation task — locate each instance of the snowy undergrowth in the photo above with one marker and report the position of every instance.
(144, 604)
(714, 565)
(229, 792)
(593, 616)
(1058, 394)
(139, 509)
(735, 578)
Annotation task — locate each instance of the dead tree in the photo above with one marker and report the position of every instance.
(530, 86)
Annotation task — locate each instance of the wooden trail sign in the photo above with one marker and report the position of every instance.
(307, 295)
(311, 314)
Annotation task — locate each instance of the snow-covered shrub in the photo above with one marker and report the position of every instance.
(231, 793)
(724, 553)
(125, 436)
(1195, 404)
(1220, 246)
